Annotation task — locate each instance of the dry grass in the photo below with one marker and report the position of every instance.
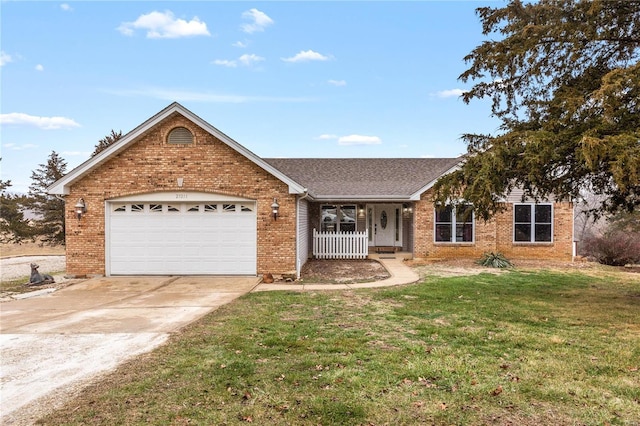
(30, 249)
(517, 348)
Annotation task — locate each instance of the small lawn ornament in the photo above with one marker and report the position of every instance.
(39, 279)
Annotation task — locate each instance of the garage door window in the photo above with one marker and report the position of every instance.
(136, 208)
(157, 208)
(210, 208)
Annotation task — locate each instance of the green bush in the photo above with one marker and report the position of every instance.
(495, 260)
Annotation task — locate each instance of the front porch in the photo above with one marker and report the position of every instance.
(361, 230)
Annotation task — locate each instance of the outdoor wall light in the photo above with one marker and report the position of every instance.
(81, 208)
(275, 207)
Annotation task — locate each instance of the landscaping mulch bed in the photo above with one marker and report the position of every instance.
(343, 271)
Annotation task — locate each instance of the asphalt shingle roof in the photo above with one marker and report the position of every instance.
(363, 177)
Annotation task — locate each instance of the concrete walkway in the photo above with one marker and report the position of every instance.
(400, 274)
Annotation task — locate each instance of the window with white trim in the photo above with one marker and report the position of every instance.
(338, 218)
(454, 224)
(532, 223)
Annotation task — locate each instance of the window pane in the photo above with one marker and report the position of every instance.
(443, 233)
(522, 232)
(464, 214)
(348, 227)
(464, 232)
(443, 214)
(523, 213)
(329, 218)
(348, 214)
(543, 214)
(543, 232)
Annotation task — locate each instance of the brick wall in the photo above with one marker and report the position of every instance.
(494, 235)
(152, 165)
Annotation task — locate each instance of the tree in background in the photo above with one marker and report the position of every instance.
(565, 82)
(50, 221)
(14, 228)
(619, 243)
(105, 142)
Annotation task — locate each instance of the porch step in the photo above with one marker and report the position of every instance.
(385, 249)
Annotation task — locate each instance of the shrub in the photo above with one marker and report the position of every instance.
(616, 248)
(495, 260)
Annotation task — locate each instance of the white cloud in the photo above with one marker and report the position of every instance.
(451, 93)
(304, 56)
(66, 7)
(165, 25)
(46, 123)
(326, 137)
(248, 60)
(240, 44)
(359, 140)
(225, 63)
(337, 83)
(427, 156)
(5, 58)
(39, 67)
(259, 21)
(16, 147)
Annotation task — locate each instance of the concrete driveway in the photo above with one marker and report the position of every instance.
(54, 344)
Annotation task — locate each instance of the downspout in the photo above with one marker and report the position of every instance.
(298, 260)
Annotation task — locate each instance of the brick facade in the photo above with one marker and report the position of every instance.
(496, 235)
(208, 165)
(147, 164)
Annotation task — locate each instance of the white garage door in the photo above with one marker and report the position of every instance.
(165, 238)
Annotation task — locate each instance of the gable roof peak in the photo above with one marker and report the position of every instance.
(62, 186)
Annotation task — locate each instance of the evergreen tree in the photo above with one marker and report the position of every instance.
(50, 223)
(564, 79)
(105, 142)
(14, 228)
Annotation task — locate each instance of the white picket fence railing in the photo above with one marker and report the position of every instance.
(340, 245)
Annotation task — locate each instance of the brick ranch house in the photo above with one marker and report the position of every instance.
(176, 196)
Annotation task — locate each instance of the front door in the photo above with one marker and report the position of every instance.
(386, 230)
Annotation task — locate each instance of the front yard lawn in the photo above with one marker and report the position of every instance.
(519, 348)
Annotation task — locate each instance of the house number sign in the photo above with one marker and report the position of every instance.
(383, 219)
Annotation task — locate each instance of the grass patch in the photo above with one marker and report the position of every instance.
(19, 285)
(515, 348)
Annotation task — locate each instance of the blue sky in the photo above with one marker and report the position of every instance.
(284, 79)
